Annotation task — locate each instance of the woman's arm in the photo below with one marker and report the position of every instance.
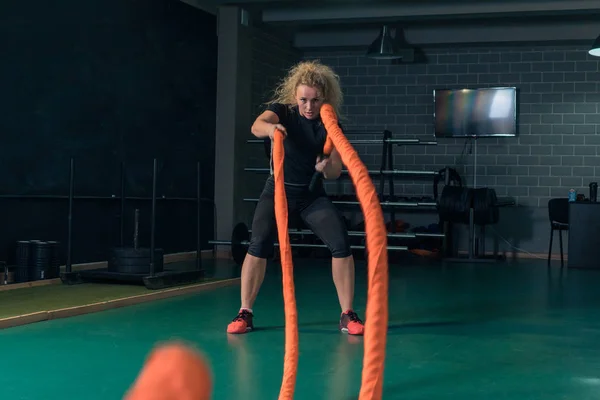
(333, 168)
(265, 124)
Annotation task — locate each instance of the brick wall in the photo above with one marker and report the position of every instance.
(559, 143)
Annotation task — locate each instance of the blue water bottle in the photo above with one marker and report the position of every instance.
(572, 195)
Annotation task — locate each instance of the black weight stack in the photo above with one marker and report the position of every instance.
(127, 260)
(135, 260)
(23, 261)
(54, 267)
(40, 263)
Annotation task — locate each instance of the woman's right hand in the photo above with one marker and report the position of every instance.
(277, 127)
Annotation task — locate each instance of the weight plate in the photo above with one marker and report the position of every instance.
(131, 252)
(454, 204)
(485, 210)
(128, 260)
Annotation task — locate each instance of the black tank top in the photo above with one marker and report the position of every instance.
(304, 142)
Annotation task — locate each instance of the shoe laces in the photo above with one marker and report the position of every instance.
(242, 315)
(353, 317)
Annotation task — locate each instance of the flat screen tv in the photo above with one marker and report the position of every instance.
(485, 112)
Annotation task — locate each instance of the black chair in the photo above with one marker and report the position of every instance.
(558, 212)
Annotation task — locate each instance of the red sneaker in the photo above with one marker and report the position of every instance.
(351, 324)
(242, 323)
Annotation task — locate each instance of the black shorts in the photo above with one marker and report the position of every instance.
(315, 209)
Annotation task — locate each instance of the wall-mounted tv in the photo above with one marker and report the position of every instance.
(484, 112)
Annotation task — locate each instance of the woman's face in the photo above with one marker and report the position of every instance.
(309, 101)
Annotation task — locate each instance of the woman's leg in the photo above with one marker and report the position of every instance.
(255, 262)
(324, 219)
(342, 270)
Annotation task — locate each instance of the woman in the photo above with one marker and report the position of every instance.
(295, 111)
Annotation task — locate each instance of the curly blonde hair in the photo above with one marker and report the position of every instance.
(314, 74)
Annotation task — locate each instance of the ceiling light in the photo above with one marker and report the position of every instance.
(384, 47)
(595, 50)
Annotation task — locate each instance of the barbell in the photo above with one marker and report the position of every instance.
(266, 142)
(383, 203)
(362, 234)
(240, 240)
(371, 172)
(453, 206)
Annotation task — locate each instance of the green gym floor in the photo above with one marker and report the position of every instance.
(486, 331)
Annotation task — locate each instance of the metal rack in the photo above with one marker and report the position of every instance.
(153, 279)
(388, 201)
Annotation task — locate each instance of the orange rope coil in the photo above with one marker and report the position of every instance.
(174, 372)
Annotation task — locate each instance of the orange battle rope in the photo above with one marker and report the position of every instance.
(376, 317)
(176, 372)
(290, 362)
(376, 236)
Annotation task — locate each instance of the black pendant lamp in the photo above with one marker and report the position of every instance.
(384, 47)
(595, 50)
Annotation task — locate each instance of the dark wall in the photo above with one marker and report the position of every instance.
(103, 82)
(272, 57)
(559, 143)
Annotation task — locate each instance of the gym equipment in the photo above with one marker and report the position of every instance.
(453, 178)
(387, 164)
(114, 197)
(136, 266)
(371, 172)
(22, 269)
(40, 260)
(383, 203)
(481, 208)
(22, 261)
(362, 234)
(240, 239)
(485, 207)
(454, 204)
(127, 260)
(135, 260)
(370, 141)
(36, 260)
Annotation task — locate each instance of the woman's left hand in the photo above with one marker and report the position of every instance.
(322, 163)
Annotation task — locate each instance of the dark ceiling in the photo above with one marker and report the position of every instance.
(426, 22)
